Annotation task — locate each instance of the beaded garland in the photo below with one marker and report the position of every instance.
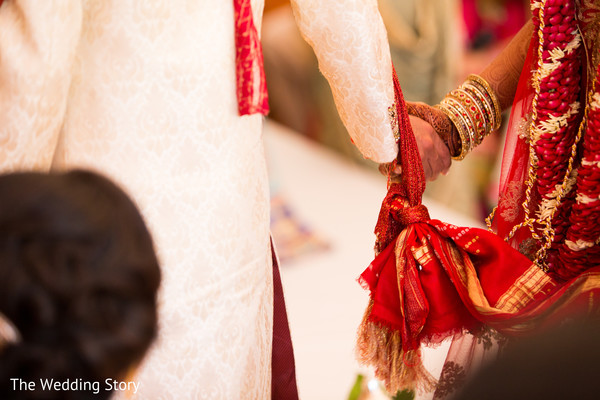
(580, 249)
(553, 135)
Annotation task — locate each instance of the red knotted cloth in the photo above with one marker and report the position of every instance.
(430, 280)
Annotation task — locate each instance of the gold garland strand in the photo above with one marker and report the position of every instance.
(532, 175)
(549, 231)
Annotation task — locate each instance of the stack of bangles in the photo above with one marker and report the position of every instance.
(474, 111)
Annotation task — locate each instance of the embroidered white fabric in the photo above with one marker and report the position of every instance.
(144, 92)
(351, 44)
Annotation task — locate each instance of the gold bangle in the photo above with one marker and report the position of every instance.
(465, 117)
(492, 97)
(483, 105)
(472, 111)
(458, 123)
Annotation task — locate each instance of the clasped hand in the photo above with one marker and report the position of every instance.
(434, 153)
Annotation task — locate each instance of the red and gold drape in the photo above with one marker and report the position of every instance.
(430, 279)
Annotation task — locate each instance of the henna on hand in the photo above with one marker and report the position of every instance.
(504, 71)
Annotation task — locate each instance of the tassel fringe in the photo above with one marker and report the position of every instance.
(381, 347)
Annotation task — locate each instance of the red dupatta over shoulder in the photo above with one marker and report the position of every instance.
(250, 76)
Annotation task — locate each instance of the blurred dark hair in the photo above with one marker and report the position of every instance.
(557, 364)
(78, 278)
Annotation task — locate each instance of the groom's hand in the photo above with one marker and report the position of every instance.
(434, 153)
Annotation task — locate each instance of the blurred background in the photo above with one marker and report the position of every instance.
(326, 197)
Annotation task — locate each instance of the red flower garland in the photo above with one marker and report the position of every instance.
(581, 249)
(562, 200)
(553, 134)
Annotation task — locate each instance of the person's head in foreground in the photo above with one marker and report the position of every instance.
(78, 283)
(558, 364)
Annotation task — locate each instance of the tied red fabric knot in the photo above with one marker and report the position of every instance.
(412, 215)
